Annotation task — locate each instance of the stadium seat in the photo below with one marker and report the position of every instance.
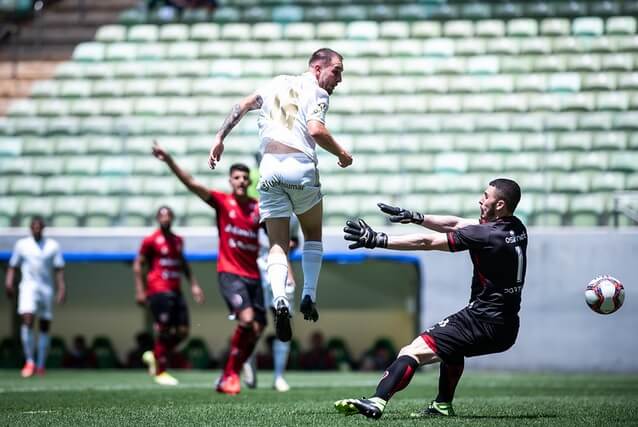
(174, 32)
(550, 210)
(451, 162)
(121, 52)
(82, 165)
(621, 25)
(70, 70)
(588, 26)
(607, 181)
(68, 211)
(555, 27)
(558, 161)
(111, 33)
(69, 146)
(618, 101)
(489, 28)
(26, 185)
(585, 210)
(521, 162)
(59, 185)
(31, 206)
(52, 167)
(99, 70)
(53, 107)
(89, 52)
(594, 161)
(8, 209)
(65, 125)
(199, 213)
(522, 27)
(624, 161)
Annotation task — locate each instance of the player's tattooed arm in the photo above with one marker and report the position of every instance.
(252, 102)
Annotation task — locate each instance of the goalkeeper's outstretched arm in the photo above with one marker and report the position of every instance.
(364, 236)
(440, 223)
(419, 242)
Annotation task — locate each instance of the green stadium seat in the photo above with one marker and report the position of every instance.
(586, 210)
(174, 87)
(394, 30)
(75, 89)
(98, 125)
(29, 126)
(53, 166)
(151, 51)
(54, 107)
(92, 186)
(449, 205)
(99, 70)
(609, 141)
(70, 70)
(101, 211)
(535, 46)
(522, 27)
(617, 62)
(599, 81)
(12, 146)
(486, 162)
(489, 28)
(577, 102)
(522, 162)
(69, 146)
(627, 120)
(150, 106)
(22, 108)
(68, 211)
(89, 52)
(121, 52)
(45, 89)
(110, 33)
(504, 46)
(467, 183)
(140, 87)
(107, 88)
(588, 26)
(607, 181)
(458, 28)
(159, 186)
(571, 182)
(8, 210)
(631, 182)
(555, 27)
(468, 143)
(621, 25)
(118, 106)
(82, 165)
(504, 142)
(31, 206)
(363, 183)
(558, 161)
(108, 145)
(64, 125)
(183, 50)
(204, 31)
(85, 107)
(143, 33)
(617, 101)
(174, 32)
(26, 185)
(125, 185)
(131, 69)
(288, 13)
(425, 29)
(595, 121)
(116, 165)
(199, 214)
(575, 141)
(550, 210)
(510, 102)
(28, 146)
(451, 163)
(59, 185)
(267, 31)
(625, 161)
(561, 122)
(594, 160)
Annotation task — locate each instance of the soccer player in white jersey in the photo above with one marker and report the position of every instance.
(291, 121)
(39, 259)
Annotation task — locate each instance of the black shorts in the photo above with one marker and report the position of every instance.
(169, 309)
(464, 335)
(241, 292)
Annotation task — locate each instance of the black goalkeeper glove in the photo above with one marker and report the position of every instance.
(363, 235)
(401, 215)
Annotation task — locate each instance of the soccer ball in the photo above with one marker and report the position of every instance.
(605, 294)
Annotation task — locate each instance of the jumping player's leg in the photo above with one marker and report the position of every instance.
(396, 377)
(277, 266)
(311, 227)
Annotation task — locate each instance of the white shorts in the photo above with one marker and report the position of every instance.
(288, 183)
(36, 299)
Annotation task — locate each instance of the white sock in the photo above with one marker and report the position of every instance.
(280, 352)
(26, 334)
(277, 276)
(43, 348)
(311, 265)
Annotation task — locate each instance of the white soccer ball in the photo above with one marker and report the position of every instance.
(605, 294)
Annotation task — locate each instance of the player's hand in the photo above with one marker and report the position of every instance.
(345, 159)
(401, 215)
(363, 235)
(9, 290)
(140, 298)
(159, 152)
(215, 154)
(60, 297)
(198, 293)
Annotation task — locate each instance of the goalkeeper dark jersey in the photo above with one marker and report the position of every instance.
(498, 250)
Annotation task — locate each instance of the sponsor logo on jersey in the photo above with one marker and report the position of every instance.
(515, 238)
(238, 231)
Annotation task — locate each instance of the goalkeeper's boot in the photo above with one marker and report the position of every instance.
(283, 329)
(309, 309)
(435, 408)
(165, 379)
(149, 360)
(370, 408)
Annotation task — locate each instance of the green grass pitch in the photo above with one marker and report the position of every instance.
(76, 398)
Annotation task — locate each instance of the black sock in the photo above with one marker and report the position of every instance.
(396, 377)
(449, 376)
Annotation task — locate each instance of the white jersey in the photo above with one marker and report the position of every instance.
(289, 103)
(36, 261)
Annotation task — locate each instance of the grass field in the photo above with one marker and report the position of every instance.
(483, 399)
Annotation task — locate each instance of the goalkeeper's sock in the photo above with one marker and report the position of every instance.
(396, 377)
(311, 266)
(449, 376)
(277, 275)
(26, 334)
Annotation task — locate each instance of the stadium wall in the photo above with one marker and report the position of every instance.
(558, 331)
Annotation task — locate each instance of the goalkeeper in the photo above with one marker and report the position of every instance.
(488, 324)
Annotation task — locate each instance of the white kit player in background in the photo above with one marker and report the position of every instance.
(291, 121)
(280, 349)
(39, 258)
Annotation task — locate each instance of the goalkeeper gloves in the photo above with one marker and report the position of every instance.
(363, 235)
(401, 215)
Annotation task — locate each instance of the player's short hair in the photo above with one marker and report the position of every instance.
(39, 219)
(323, 55)
(509, 191)
(165, 207)
(238, 167)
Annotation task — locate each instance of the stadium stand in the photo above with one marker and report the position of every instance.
(436, 99)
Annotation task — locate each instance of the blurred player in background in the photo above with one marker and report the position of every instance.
(162, 252)
(291, 121)
(39, 259)
(280, 349)
(239, 280)
(488, 324)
